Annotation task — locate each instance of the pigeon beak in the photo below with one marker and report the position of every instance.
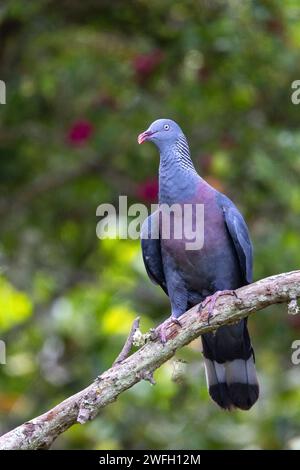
(144, 136)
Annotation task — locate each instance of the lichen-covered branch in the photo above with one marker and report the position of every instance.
(40, 432)
(128, 343)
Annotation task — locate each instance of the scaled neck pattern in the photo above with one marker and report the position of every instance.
(177, 175)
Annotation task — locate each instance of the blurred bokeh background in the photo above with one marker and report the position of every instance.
(83, 79)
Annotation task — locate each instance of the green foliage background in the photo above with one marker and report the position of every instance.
(83, 79)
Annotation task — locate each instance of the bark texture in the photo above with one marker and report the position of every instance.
(40, 432)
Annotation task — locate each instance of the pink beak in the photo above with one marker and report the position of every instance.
(144, 136)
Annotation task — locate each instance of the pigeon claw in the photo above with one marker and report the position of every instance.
(212, 299)
(161, 330)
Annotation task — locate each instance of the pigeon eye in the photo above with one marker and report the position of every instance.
(166, 127)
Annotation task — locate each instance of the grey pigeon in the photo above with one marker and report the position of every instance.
(189, 277)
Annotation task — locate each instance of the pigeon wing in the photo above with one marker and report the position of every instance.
(239, 234)
(151, 250)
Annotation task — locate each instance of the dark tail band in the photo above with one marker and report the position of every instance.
(230, 367)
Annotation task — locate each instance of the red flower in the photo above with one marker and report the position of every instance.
(145, 64)
(80, 132)
(148, 190)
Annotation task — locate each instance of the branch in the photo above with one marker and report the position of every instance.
(128, 343)
(40, 432)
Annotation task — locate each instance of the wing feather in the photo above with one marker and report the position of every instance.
(239, 233)
(151, 250)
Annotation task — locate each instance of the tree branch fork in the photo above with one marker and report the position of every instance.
(127, 370)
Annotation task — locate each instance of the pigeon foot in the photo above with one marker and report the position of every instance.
(161, 330)
(212, 299)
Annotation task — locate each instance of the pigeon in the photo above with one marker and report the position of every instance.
(200, 276)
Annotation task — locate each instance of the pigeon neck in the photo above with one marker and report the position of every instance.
(177, 173)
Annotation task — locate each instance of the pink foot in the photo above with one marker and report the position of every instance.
(212, 299)
(161, 330)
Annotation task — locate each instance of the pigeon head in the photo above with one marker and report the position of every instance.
(161, 132)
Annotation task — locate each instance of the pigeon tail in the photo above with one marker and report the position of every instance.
(230, 367)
